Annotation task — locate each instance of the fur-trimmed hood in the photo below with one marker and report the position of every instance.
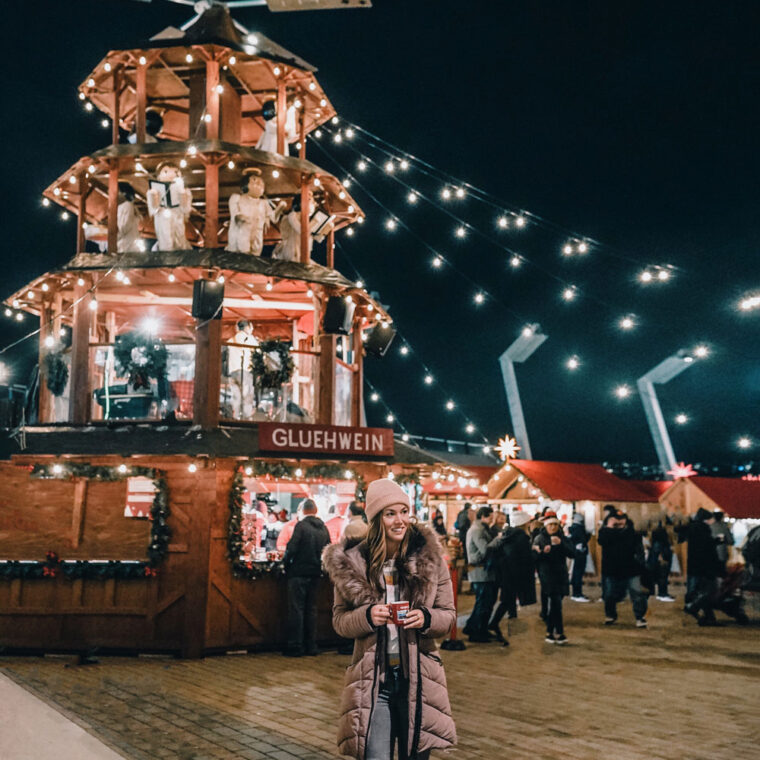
(346, 563)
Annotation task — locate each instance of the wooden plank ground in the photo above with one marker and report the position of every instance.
(672, 692)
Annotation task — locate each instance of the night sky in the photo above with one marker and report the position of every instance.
(632, 124)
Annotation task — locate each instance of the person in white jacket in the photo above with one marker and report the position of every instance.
(169, 206)
(250, 214)
(268, 139)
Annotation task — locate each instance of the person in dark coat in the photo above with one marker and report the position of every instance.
(659, 560)
(703, 567)
(579, 537)
(622, 565)
(552, 550)
(462, 525)
(303, 567)
(513, 564)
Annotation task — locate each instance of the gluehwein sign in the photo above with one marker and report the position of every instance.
(325, 439)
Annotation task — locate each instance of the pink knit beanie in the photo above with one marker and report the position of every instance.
(381, 494)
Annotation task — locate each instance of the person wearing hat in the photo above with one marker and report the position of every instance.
(703, 567)
(169, 205)
(552, 550)
(724, 538)
(515, 571)
(579, 537)
(622, 566)
(395, 689)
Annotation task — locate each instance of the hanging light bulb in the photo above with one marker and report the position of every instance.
(428, 379)
(460, 232)
(412, 197)
(569, 293)
(337, 137)
(502, 222)
(573, 363)
(390, 224)
(450, 405)
(404, 350)
(389, 167)
(479, 298)
(375, 397)
(567, 249)
(681, 419)
(515, 261)
(318, 134)
(362, 165)
(437, 262)
(520, 221)
(470, 428)
(45, 202)
(445, 193)
(701, 352)
(405, 437)
(582, 247)
(622, 391)
(745, 442)
(403, 164)
(459, 192)
(389, 418)
(627, 323)
(350, 231)
(663, 275)
(645, 276)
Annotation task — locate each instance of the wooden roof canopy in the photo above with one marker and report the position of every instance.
(252, 66)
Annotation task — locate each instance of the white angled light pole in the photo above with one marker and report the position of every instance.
(523, 348)
(663, 373)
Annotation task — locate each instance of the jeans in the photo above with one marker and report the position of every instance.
(660, 570)
(302, 614)
(579, 567)
(615, 590)
(389, 725)
(701, 594)
(485, 596)
(554, 614)
(507, 604)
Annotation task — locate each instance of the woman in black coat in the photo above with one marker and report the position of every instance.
(552, 550)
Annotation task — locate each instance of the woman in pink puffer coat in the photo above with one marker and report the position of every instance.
(395, 688)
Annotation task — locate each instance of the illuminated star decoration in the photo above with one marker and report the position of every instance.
(507, 448)
(682, 470)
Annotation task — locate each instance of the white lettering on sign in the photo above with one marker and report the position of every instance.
(325, 439)
(280, 437)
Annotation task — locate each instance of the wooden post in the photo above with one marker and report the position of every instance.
(116, 116)
(46, 329)
(326, 406)
(282, 107)
(211, 227)
(305, 232)
(357, 385)
(302, 135)
(79, 389)
(82, 185)
(78, 514)
(142, 101)
(113, 205)
(208, 373)
(330, 263)
(212, 99)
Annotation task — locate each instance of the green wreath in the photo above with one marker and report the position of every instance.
(271, 364)
(140, 357)
(56, 373)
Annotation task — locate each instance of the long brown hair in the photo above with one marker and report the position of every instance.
(378, 551)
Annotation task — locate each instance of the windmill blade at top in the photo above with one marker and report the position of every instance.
(311, 5)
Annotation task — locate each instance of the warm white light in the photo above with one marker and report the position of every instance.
(349, 299)
(219, 89)
(681, 419)
(119, 275)
(80, 282)
(746, 304)
(91, 169)
(450, 405)
(374, 397)
(744, 442)
(582, 247)
(527, 331)
(389, 167)
(342, 195)
(350, 231)
(309, 292)
(569, 293)
(188, 58)
(253, 39)
(348, 475)
(334, 120)
(403, 164)
(412, 197)
(107, 66)
(88, 106)
(479, 298)
(57, 191)
(45, 202)
(183, 164)
(45, 287)
(299, 472)
(57, 469)
(143, 60)
(30, 295)
(171, 278)
(362, 166)
(16, 303)
(627, 323)
(389, 418)
(150, 325)
(573, 363)
(275, 173)
(64, 215)
(622, 391)
(72, 179)
(701, 352)
(93, 305)
(470, 428)
(337, 137)
(404, 350)
(192, 150)
(663, 275)
(346, 183)
(232, 60)
(122, 468)
(207, 118)
(486, 449)
(515, 261)
(351, 209)
(405, 437)
(445, 193)
(230, 164)
(390, 224)
(317, 182)
(460, 232)
(349, 133)
(503, 222)
(268, 287)
(192, 468)
(277, 71)
(428, 380)
(520, 221)
(105, 123)
(645, 276)
(360, 220)
(459, 192)
(323, 102)
(312, 86)
(49, 341)
(19, 317)
(437, 262)
(567, 249)
(8, 312)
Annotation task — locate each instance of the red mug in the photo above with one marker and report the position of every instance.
(398, 612)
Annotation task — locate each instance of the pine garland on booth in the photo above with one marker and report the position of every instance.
(160, 532)
(140, 357)
(56, 373)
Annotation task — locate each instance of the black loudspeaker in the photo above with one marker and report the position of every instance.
(379, 340)
(208, 296)
(339, 315)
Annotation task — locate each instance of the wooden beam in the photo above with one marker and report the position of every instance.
(357, 384)
(81, 210)
(331, 249)
(208, 372)
(212, 100)
(305, 232)
(211, 226)
(45, 408)
(78, 515)
(113, 205)
(79, 388)
(116, 103)
(326, 405)
(302, 134)
(282, 107)
(142, 101)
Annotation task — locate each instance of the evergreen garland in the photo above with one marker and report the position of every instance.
(56, 373)
(266, 377)
(158, 546)
(140, 357)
